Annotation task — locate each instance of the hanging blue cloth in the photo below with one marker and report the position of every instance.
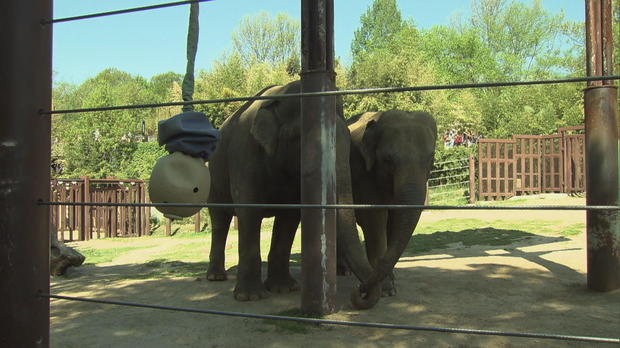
(189, 132)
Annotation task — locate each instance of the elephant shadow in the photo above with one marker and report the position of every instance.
(476, 242)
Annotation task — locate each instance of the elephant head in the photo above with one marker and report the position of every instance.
(394, 152)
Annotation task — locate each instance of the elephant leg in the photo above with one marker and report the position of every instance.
(249, 283)
(374, 225)
(279, 278)
(220, 222)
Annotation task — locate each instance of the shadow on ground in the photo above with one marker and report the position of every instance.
(521, 289)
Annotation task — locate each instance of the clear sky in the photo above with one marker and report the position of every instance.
(153, 42)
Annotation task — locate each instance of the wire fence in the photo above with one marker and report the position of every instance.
(338, 93)
(343, 323)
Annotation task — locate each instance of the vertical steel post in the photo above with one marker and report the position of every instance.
(318, 159)
(26, 75)
(601, 114)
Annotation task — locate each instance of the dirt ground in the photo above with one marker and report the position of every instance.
(536, 285)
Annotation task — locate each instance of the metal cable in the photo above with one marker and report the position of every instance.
(338, 93)
(335, 206)
(449, 177)
(447, 169)
(458, 160)
(443, 192)
(111, 13)
(342, 323)
(453, 184)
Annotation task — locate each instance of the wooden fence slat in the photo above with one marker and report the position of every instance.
(531, 164)
(81, 222)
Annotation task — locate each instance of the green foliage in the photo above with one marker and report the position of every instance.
(141, 163)
(97, 144)
(262, 38)
(380, 24)
(502, 40)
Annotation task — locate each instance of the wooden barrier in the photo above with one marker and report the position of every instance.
(531, 164)
(86, 222)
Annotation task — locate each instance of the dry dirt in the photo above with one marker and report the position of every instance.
(537, 285)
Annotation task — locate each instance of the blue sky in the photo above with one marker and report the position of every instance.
(153, 42)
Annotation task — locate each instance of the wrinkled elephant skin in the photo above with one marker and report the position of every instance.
(392, 154)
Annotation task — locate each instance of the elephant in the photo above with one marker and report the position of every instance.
(257, 161)
(392, 154)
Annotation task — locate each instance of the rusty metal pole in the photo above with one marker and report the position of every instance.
(318, 159)
(26, 77)
(601, 114)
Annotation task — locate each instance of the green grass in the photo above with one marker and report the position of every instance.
(96, 256)
(189, 259)
(448, 195)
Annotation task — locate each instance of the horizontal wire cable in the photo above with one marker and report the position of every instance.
(333, 206)
(342, 323)
(458, 160)
(452, 184)
(337, 93)
(449, 177)
(447, 169)
(444, 192)
(117, 12)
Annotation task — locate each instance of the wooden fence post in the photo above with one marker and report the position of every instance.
(85, 211)
(197, 222)
(472, 179)
(168, 227)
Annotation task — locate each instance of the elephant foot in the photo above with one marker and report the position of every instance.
(216, 274)
(250, 292)
(388, 287)
(281, 285)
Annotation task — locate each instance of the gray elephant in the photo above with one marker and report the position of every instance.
(258, 161)
(392, 154)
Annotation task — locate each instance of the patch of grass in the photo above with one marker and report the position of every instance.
(573, 230)
(96, 256)
(293, 326)
(189, 252)
(449, 195)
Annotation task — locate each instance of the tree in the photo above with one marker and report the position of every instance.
(522, 38)
(98, 144)
(264, 39)
(380, 24)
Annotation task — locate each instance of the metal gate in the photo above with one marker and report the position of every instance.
(530, 164)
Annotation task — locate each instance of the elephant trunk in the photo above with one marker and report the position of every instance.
(401, 224)
(354, 254)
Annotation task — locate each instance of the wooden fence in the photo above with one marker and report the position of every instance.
(73, 223)
(530, 164)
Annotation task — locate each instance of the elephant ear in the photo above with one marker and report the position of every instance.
(265, 129)
(368, 144)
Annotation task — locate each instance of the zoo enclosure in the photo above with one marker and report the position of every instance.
(25, 175)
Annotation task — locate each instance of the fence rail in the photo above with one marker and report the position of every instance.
(531, 164)
(79, 223)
